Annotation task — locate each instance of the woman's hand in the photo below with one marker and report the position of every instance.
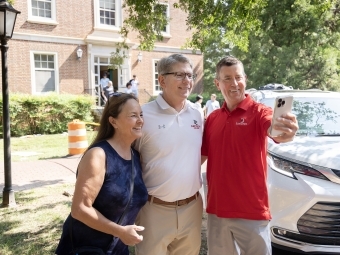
(129, 235)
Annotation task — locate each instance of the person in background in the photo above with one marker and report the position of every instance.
(211, 105)
(237, 201)
(128, 89)
(171, 157)
(103, 180)
(107, 91)
(199, 100)
(135, 83)
(104, 81)
(198, 103)
(103, 84)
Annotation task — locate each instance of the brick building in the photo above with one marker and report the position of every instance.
(42, 55)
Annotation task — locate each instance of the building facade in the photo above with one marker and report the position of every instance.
(42, 55)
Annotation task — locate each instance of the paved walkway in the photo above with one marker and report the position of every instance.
(33, 174)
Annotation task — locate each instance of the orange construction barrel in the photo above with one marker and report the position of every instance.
(77, 139)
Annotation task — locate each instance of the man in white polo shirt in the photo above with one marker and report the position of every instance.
(171, 163)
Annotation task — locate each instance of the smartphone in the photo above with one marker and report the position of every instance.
(283, 104)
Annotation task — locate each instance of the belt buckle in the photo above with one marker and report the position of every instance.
(181, 202)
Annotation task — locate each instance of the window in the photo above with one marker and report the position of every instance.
(42, 11)
(166, 29)
(157, 87)
(42, 8)
(107, 14)
(44, 74)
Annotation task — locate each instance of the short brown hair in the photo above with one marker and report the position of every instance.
(227, 61)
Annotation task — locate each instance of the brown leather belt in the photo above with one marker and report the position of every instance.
(177, 203)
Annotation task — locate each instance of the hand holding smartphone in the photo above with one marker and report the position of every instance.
(283, 105)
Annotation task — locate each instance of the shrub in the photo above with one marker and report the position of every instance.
(46, 114)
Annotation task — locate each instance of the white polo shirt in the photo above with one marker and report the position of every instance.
(212, 106)
(170, 149)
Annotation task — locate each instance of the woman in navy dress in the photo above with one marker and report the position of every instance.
(102, 188)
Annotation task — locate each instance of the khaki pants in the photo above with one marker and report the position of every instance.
(238, 236)
(170, 230)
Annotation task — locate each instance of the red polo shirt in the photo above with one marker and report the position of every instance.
(236, 145)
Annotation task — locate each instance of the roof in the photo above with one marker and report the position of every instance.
(258, 95)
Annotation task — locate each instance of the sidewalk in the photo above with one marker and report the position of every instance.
(33, 174)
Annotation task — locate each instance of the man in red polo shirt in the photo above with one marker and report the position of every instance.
(238, 208)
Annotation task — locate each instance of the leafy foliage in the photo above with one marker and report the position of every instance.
(232, 20)
(117, 57)
(32, 114)
(147, 17)
(293, 42)
(297, 44)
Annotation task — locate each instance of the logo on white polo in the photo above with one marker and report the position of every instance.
(242, 122)
(195, 126)
(161, 126)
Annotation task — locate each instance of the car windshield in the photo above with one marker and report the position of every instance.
(319, 116)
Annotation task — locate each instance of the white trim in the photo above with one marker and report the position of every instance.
(45, 22)
(162, 48)
(154, 91)
(42, 20)
(94, 38)
(118, 17)
(47, 38)
(102, 37)
(56, 71)
(166, 33)
(176, 50)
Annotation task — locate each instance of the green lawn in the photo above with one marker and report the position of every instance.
(35, 147)
(34, 226)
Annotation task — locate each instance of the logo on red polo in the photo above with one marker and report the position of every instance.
(242, 122)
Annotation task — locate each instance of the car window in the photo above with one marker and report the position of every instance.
(319, 116)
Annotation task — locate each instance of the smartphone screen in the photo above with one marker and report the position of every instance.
(283, 104)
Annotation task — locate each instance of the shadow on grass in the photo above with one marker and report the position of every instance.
(42, 242)
(22, 233)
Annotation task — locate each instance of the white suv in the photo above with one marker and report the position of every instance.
(304, 175)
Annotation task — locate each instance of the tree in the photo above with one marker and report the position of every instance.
(295, 42)
(205, 18)
(298, 44)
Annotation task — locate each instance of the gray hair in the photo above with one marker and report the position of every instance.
(165, 64)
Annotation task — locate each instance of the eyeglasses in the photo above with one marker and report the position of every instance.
(181, 76)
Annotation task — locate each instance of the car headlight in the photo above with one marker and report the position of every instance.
(288, 168)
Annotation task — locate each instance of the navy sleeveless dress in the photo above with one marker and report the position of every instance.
(111, 201)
